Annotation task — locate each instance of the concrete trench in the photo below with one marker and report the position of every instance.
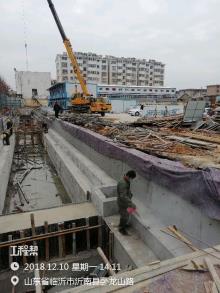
(87, 171)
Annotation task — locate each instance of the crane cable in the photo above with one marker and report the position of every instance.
(25, 34)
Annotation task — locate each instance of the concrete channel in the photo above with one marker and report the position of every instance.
(76, 187)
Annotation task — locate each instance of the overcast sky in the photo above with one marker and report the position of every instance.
(183, 34)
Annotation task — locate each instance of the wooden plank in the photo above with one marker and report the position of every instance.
(33, 234)
(68, 212)
(213, 273)
(38, 286)
(60, 242)
(24, 258)
(47, 252)
(100, 232)
(106, 261)
(210, 287)
(206, 251)
(200, 265)
(48, 235)
(87, 235)
(32, 224)
(181, 237)
(74, 240)
(10, 257)
(110, 253)
(63, 240)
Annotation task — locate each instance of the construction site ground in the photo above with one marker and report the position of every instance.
(164, 137)
(156, 255)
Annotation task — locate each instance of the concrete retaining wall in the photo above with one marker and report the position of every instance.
(157, 206)
(83, 180)
(6, 157)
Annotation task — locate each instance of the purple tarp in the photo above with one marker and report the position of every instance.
(199, 187)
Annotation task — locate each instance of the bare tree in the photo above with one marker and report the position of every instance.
(4, 87)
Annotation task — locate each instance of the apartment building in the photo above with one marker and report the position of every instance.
(111, 70)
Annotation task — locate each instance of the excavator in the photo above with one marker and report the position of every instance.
(81, 102)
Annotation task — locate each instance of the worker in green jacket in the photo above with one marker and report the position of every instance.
(124, 200)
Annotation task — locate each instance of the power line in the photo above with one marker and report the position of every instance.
(25, 34)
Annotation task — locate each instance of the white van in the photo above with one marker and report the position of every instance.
(135, 111)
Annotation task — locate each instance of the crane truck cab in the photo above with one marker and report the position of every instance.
(90, 104)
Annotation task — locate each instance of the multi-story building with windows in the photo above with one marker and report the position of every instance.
(111, 70)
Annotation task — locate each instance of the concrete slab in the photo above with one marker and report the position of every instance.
(138, 252)
(14, 222)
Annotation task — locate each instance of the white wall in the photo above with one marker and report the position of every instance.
(27, 80)
(160, 109)
(122, 106)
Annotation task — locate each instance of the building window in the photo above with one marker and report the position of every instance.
(34, 92)
(107, 89)
(64, 64)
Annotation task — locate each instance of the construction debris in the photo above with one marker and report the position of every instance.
(164, 137)
(171, 121)
(208, 125)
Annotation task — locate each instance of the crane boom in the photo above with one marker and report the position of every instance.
(69, 50)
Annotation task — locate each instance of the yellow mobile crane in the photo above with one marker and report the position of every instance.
(83, 102)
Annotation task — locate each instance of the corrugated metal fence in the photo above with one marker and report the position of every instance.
(10, 102)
